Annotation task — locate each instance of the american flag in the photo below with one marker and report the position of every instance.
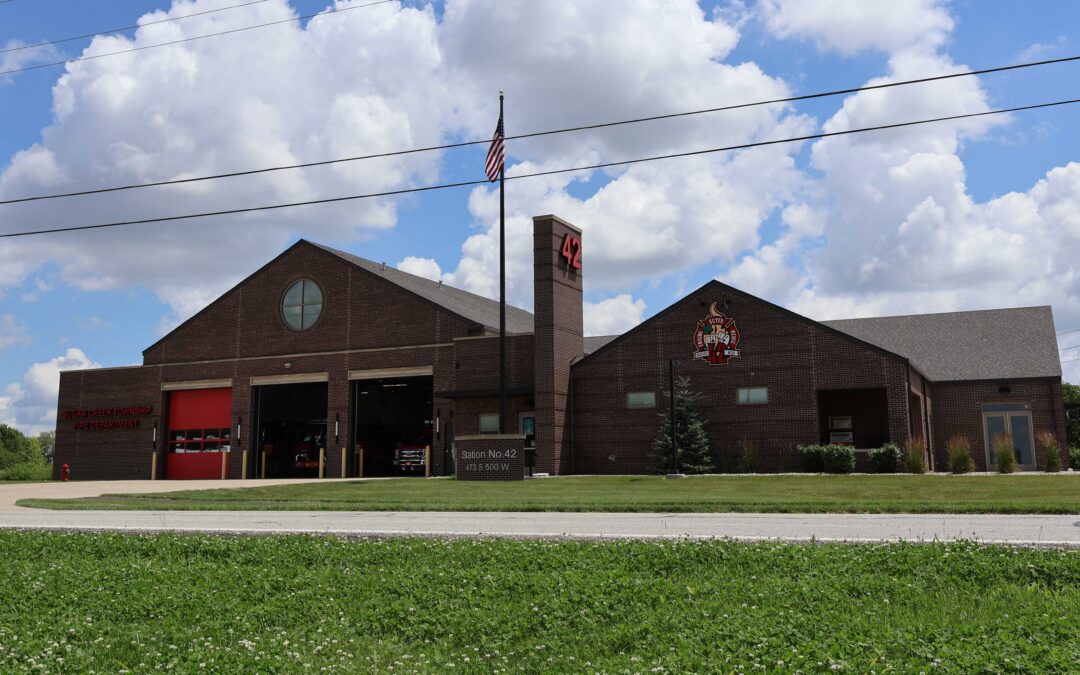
(496, 156)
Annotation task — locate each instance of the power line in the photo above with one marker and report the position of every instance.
(449, 146)
(117, 30)
(428, 188)
(332, 10)
(1074, 330)
(1065, 349)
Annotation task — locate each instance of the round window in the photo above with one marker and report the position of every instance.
(302, 304)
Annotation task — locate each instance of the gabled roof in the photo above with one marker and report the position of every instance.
(483, 311)
(980, 345)
(594, 345)
(594, 342)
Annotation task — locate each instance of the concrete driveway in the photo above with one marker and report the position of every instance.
(13, 492)
(1026, 530)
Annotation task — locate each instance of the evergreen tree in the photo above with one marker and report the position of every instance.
(695, 456)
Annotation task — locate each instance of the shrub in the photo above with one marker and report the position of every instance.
(1048, 443)
(1074, 458)
(810, 458)
(27, 471)
(838, 458)
(959, 451)
(1003, 453)
(915, 455)
(885, 459)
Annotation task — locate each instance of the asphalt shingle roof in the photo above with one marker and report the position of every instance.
(981, 345)
(594, 342)
(484, 311)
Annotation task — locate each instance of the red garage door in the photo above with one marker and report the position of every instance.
(199, 433)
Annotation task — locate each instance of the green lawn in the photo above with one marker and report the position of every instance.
(112, 603)
(1044, 493)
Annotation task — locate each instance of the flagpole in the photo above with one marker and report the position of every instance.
(502, 283)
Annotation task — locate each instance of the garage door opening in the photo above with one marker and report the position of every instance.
(199, 434)
(291, 421)
(392, 425)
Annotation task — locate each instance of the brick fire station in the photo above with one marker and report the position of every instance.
(322, 363)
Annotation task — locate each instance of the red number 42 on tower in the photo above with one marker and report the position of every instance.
(571, 250)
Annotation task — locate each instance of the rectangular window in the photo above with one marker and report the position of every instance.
(641, 399)
(489, 423)
(748, 395)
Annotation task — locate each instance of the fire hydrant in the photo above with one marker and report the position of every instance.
(65, 471)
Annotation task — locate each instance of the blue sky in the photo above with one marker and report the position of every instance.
(956, 217)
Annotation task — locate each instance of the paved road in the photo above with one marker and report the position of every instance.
(1026, 530)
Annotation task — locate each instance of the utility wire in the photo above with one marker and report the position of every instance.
(1065, 349)
(332, 10)
(552, 172)
(449, 146)
(117, 30)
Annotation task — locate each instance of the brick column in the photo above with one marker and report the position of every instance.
(559, 337)
(337, 403)
(241, 410)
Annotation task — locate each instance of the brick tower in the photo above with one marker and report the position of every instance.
(559, 334)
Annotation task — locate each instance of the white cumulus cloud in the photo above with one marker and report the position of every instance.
(613, 316)
(422, 267)
(30, 405)
(850, 27)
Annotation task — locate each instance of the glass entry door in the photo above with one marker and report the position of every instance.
(1013, 419)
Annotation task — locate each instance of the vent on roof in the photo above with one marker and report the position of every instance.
(1005, 389)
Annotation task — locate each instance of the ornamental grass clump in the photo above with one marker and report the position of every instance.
(886, 459)
(915, 455)
(1004, 453)
(959, 452)
(1048, 443)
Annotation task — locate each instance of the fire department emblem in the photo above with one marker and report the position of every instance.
(716, 339)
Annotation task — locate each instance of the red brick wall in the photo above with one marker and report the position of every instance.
(559, 331)
(366, 324)
(107, 453)
(791, 356)
(957, 411)
(360, 311)
(476, 363)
